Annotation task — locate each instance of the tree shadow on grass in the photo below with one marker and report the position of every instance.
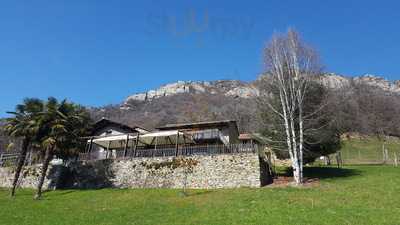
(61, 193)
(330, 172)
(325, 172)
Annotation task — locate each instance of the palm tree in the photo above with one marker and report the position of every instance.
(23, 125)
(62, 125)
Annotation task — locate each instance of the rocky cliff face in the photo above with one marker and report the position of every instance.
(232, 88)
(337, 81)
(334, 81)
(239, 89)
(379, 82)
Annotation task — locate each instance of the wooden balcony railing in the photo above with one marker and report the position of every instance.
(7, 160)
(168, 151)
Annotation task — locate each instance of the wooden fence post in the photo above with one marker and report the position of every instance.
(131, 149)
(340, 158)
(383, 154)
(90, 149)
(184, 144)
(126, 145)
(155, 147)
(396, 162)
(108, 149)
(386, 155)
(177, 145)
(337, 160)
(136, 144)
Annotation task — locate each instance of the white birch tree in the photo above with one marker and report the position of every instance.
(291, 65)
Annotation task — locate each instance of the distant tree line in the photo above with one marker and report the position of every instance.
(359, 107)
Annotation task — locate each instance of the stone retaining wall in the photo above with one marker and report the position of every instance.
(215, 171)
(30, 176)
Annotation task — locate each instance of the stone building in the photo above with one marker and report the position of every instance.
(105, 127)
(193, 155)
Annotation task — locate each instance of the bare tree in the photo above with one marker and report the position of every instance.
(290, 65)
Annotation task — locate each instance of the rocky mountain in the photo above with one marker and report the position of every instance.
(335, 81)
(240, 89)
(232, 88)
(376, 81)
(186, 101)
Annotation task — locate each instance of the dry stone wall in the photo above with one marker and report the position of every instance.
(218, 171)
(30, 177)
(205, 172)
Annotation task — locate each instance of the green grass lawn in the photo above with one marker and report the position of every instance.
(368, 150)
(353, 195)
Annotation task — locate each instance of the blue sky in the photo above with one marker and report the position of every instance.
(99, 52)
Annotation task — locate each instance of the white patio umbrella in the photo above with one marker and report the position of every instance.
(154, 138)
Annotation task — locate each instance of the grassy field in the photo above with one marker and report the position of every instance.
(368, 150)
(352, 195)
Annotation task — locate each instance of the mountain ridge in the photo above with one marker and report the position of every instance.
(242, 89)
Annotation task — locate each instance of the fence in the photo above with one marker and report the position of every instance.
(11, 159)
(350, 155)
(8, 159)
(167, 151)
(360, 157)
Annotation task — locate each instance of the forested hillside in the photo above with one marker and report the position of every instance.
(366, 104)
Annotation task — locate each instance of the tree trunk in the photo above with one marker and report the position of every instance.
(301, 134)
(21, 161)
(45, 166)
(327, 160)
(290, 137)
(297, 173)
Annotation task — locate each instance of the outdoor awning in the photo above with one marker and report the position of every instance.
(154, 138)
